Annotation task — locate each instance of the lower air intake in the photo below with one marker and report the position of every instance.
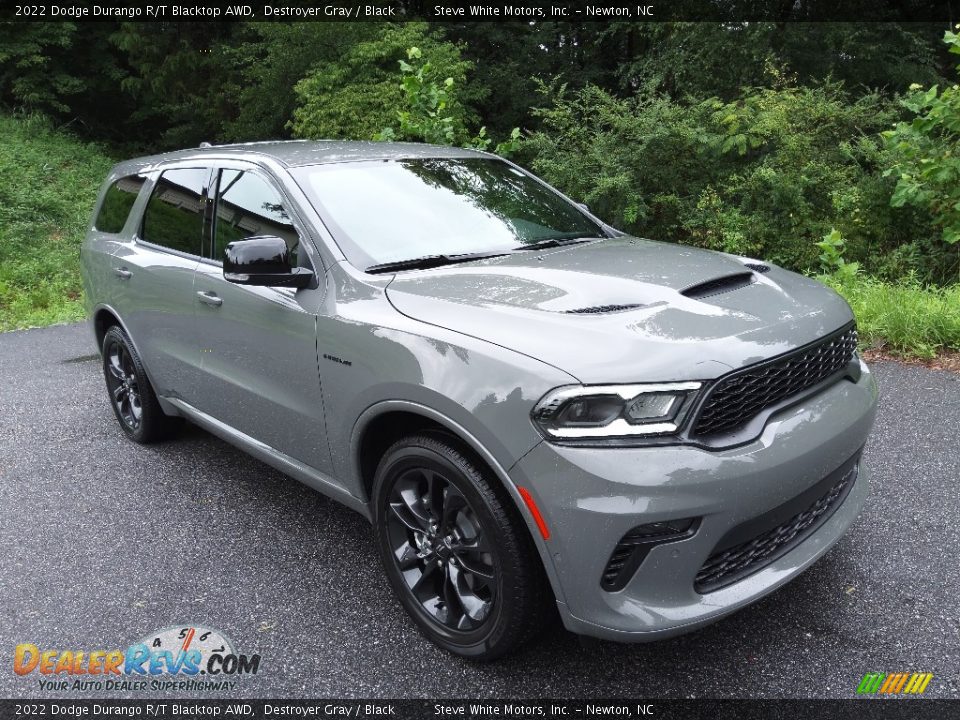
(633, 547)
(735, 563)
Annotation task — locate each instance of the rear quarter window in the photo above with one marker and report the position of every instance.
(174, 217)
(117, 204)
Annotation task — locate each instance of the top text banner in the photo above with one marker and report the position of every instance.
(575, 11)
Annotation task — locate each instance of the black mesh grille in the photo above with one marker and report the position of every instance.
(737, 562)
(739, 398)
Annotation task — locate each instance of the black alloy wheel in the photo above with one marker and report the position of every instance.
(123, 386)
(131, 396)
(440, 549)
(456, 550)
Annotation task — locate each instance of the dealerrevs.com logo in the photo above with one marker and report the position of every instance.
(187, 658)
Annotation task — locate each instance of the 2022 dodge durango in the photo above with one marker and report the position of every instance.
(532, 408)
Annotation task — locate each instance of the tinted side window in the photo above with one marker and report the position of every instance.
(247, 206)
(174, 214)
(117, 204)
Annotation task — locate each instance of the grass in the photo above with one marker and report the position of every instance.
(905, 318)
(48, 185)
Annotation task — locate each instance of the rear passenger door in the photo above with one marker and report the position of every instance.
(259, 344)
(103, 279)
(156, 275)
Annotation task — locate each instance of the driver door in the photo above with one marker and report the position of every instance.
(258, 345)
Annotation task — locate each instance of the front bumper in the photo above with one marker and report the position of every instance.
(591, 497)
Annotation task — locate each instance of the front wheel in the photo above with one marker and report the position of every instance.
(131, 395)
(455, 549)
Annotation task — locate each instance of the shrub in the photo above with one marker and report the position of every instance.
(832, 260)
(766, 175)
(926, 156)
(426, 111)
(634, 161)
(358, 96)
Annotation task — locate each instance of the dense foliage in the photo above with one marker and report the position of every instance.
(822, 146)
(926, 156)
(359, 96)
(765, 175)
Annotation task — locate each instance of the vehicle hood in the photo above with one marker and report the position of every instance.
(554, 305)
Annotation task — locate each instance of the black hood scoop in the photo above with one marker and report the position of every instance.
(599, 309)
(720, 285)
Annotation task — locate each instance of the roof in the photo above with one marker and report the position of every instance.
(296, 153)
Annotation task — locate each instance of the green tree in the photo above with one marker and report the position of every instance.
(269, 59)
(427, 105)
(357, 95)
(926, 154)
(427, 111)
(178, 71)
(33, 71)
(700, 60)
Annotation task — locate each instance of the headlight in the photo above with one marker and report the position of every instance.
(611, 411)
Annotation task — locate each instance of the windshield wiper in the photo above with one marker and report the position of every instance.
(556, 242)
(430, 261)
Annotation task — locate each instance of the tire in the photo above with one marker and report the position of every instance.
(456, 550)
(131, 396)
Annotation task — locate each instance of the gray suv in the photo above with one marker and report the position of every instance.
(533, 409)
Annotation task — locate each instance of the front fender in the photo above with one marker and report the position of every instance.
(475, 443)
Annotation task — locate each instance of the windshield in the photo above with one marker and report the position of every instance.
(385, 211)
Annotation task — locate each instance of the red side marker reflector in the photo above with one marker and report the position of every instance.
(535, 511)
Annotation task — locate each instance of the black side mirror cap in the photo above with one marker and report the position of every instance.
(298, 277)
(263, 260)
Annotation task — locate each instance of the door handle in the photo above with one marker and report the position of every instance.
(209, 298)
(122, 273)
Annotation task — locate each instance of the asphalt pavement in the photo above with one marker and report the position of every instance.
(103, 541)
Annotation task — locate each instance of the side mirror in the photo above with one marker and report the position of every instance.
(263, 260)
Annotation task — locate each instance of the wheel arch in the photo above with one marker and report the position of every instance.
(103, 318)
(404, 417)
(380, 425)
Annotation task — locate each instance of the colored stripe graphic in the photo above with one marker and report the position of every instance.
(918, 683)
(870, 683)
(894, 683)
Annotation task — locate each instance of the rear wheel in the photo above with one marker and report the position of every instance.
(456, 550)
(131, 396)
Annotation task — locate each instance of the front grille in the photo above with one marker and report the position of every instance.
(735, 563)
(740, 397)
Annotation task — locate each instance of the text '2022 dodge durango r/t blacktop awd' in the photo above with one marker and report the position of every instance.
(531, 407)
